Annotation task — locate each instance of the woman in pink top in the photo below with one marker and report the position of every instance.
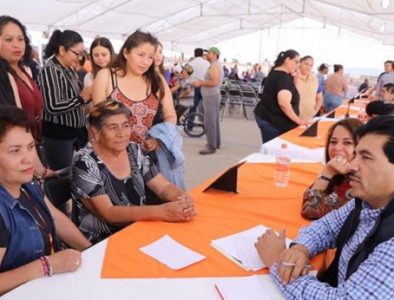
(134, 82)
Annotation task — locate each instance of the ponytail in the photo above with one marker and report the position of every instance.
(282, 57)
(67, 39)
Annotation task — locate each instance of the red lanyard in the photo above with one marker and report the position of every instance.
(41, 223)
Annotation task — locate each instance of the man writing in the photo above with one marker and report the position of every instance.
(362, 231)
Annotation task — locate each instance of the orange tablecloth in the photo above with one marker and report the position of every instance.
(354, 110)
(293, 136)
(319, 141)
(259, 201)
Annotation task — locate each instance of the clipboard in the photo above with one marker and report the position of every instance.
(227, 181)
(311, 131)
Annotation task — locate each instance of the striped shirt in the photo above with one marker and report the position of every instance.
(374, 278)
(60, 88)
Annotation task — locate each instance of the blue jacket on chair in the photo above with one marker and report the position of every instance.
(170, 157)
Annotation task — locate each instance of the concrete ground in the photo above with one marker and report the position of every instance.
(240, 137)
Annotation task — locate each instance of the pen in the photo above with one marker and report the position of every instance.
(288, 264)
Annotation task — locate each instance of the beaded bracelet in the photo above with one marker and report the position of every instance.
(44, 266)
(50, 273)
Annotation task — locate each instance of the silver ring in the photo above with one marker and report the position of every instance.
(287, 264)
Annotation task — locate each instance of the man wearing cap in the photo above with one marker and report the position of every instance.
(182, 86)
(210, 90)
(200, 67)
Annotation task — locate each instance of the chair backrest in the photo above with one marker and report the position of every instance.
(58, 190)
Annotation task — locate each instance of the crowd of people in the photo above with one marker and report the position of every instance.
(115, 129)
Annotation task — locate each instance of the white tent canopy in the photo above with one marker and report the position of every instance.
(188, 23)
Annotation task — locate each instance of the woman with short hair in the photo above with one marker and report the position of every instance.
(29, 224)
(109, 178)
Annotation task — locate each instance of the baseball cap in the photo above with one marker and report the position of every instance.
(188, 68)
(214, 50)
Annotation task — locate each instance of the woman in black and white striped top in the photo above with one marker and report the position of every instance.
(64, 98)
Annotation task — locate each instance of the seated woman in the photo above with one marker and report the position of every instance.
(331, 190)
(109, 178)
(29, 224)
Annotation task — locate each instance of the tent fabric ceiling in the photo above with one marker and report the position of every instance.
(204, 22)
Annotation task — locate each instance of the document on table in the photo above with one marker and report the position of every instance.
(240, 288)
(239, 248)
(171, 253)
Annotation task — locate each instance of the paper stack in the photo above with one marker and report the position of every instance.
(239, 248)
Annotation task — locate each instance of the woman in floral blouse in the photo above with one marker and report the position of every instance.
(331, 190)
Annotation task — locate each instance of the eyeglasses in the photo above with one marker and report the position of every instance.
(78, 54)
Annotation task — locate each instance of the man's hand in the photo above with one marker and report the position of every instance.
(270, 246)
(293, 263)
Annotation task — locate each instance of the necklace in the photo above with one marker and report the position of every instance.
(40, 221)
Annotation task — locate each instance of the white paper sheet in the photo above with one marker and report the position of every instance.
(241, 288)
(171, 253)
(239, 247)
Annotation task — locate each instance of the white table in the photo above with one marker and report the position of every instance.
(86, 284)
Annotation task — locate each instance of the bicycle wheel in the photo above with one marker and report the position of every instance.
(193, 124)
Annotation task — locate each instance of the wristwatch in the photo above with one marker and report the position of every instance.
(323, 177)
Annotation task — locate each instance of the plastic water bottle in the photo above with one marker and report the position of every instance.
(282, 167)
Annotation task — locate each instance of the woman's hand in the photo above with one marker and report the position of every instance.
(336, 165)
(86, 93)
(178, 211)
(65, 261)
(270, 246)
(151, 144)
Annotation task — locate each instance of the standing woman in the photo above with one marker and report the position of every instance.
(135, 83)
(278, 110)
(16, 53)
(102, 55)
(64, 98)
(159, 60)
(8, 90)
